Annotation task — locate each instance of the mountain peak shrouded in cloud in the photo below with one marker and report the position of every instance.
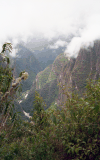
(74, 46)
(23, 21)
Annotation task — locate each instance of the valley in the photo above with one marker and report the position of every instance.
(62, 76)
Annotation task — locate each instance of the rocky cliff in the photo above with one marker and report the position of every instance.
(46, 83)
(65, 75)
(75, 72)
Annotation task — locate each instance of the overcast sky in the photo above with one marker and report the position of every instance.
(22, 20)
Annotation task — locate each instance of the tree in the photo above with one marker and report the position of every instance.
(8, 86)
(39, 114)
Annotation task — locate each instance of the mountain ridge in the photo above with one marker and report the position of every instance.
(65, 75)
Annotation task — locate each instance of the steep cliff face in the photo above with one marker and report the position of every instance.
(65, 75)
(42, 77)
(65, 79)
(46, 83)
(76, 71)
(51, 72)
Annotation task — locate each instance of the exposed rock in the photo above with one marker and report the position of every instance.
(76, 71)
(71, 75)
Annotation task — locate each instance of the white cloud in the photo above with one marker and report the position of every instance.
(86, 37)
(13, 53)
(22, 20)
(58, 44)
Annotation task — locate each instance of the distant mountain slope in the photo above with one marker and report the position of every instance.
(46, 56)
(71, 75)
(25, 60)
(42, 77)
(51, 72)
(46, 84)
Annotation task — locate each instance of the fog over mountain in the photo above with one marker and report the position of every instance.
(41, 23)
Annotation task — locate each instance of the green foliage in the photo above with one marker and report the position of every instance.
(39, 115)
(5, 79)
(6, 46)
(73, 132)
(8, 90)
(43, 76)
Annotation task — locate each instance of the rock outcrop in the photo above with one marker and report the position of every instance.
(65, 75)
(75, 72)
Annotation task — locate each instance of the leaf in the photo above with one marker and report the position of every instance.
(78, 149)
(63, 142)
(78, 140)
(73, 149)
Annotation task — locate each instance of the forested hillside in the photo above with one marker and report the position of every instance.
(71, 132)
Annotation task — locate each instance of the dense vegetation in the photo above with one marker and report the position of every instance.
(71, 132)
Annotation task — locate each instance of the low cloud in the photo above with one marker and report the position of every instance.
(21, 21)
(58, 44)
(87, 36)
(13, 53)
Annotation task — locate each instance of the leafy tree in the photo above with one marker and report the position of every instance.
(39, 114)
(8, 86)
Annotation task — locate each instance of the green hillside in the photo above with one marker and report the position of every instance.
(69, 132)
(46, 84)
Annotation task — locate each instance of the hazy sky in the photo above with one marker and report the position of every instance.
(22, 20)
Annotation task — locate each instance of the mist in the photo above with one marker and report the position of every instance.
(40, 22)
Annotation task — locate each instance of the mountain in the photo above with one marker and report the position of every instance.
(25, 60)
(33, 62)
(65, 75)
(75, 72)
(46, 84)
(47, 55)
